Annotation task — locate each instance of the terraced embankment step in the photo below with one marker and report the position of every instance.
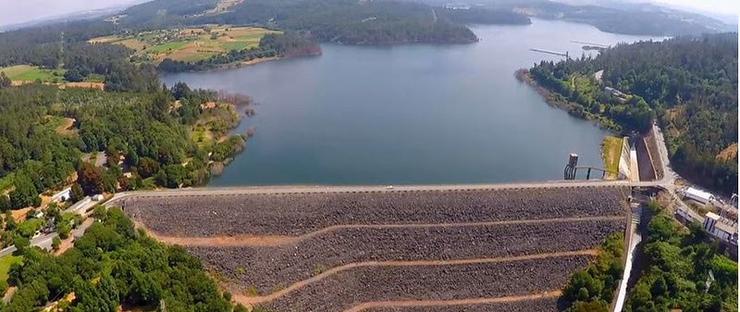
(469, 249)
(298, 214)
(350, 288)
(264, 267)
(546, 302)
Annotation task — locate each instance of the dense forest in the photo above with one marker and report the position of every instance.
(352, 22)
(142, 133)
(477, 15)
(689, 84)
(683, 271)
(112, 265)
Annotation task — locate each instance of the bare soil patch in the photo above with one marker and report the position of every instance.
(729, 153)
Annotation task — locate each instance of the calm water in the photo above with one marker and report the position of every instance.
(409, 114)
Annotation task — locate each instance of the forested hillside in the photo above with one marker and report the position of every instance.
(352, 22)
(679, 265)
(114, 265)
(147, 134)
(689, 84)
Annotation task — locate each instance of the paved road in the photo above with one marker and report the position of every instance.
(667, 183)
(203, 191)
(45, 241)
(41, 241)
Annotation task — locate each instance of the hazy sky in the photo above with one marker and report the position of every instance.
(18, 11)
(724, 7)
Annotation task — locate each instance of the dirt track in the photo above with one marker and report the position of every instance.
(544, 302)
(278, 240)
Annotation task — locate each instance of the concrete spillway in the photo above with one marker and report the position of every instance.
(549, 52)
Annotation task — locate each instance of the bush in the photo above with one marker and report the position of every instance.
(55, 243)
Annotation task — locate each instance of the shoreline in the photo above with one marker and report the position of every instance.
(556, 100)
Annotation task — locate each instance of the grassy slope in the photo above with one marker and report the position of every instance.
(611, 150)
(5, 263)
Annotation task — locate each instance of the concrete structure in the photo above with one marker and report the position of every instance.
(721, 228)
(62, 196)
(625, 161)
(81, 206)
(619, 95)
(697, 195)
(452, 6)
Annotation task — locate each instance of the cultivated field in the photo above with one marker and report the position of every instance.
(189, 44)
(463, 250)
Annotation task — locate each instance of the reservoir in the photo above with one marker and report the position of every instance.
(410, 114)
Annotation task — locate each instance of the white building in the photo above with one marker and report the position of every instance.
(62, 196)
(697, 195)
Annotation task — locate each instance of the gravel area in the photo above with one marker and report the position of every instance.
(533, 305)
(269, 268)
(296, 214)
(446, 282)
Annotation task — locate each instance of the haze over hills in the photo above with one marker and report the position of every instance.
(644, 18)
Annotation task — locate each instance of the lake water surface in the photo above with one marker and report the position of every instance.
(422, 114)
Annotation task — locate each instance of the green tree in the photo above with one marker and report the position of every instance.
(147, 167)
(55, 243)
(76, 193)
(4, 81)
(5, 204)
(25, 193)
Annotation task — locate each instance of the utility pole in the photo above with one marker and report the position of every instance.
(61, 50)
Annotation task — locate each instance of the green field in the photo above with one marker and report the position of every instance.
(169, 46)
(33, 73)
(189, 44)
(5, 263)
(611, 151)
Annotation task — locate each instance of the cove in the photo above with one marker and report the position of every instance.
(411, 114)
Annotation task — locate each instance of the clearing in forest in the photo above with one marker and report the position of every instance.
(33, 73)
(189, 44)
